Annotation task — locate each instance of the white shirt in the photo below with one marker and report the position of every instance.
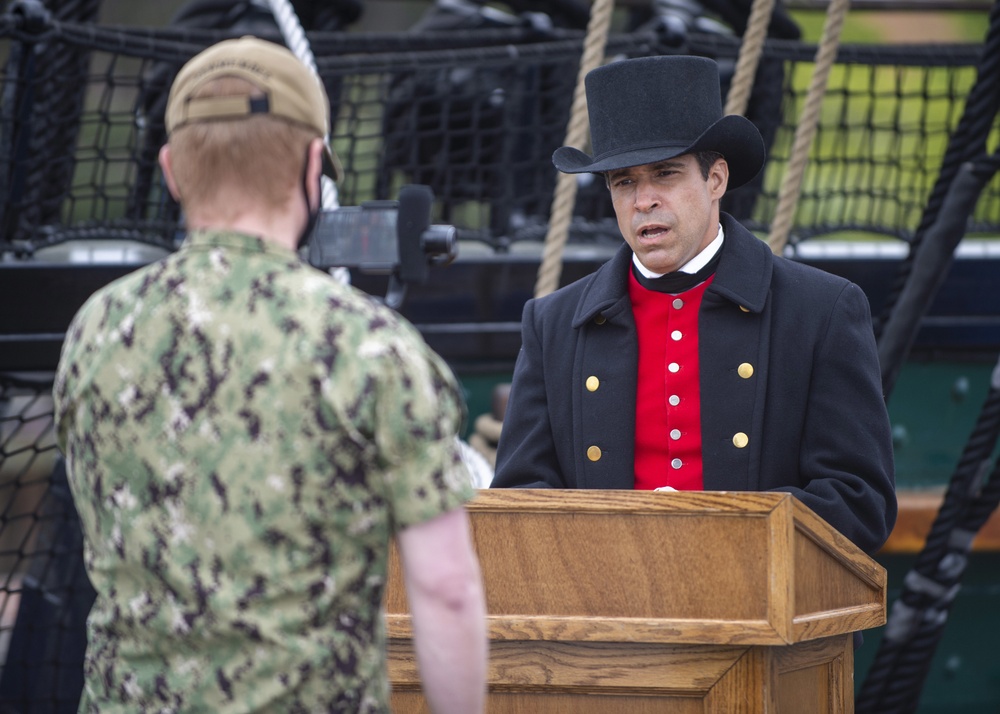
(692, 266)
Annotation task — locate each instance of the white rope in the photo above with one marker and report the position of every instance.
(295, 38)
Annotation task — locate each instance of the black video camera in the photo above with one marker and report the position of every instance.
(393, 238)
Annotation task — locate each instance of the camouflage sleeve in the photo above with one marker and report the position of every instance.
(63, 397)
(419, 413)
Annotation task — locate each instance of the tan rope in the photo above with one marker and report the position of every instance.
(791, 186)
(750, 52)
(564, 198)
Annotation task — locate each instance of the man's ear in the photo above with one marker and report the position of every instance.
(166, 165)
(314, 169)
(718, 178)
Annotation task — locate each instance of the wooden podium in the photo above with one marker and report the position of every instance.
(638, 601)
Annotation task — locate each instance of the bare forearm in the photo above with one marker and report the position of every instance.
(451, 647)
(445, 593)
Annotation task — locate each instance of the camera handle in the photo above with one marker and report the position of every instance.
(418, 240)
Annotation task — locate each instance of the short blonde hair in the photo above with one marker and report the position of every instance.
(260, 156)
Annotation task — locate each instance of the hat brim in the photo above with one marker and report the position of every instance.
(733, 136)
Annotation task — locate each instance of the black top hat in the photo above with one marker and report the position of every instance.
(650, 109)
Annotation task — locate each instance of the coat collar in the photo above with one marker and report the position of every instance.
(743, 276)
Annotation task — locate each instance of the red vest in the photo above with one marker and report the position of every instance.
(667, 399)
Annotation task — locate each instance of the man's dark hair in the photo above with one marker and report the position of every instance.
(705, 160)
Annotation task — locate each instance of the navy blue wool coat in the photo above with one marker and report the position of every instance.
(813, 408)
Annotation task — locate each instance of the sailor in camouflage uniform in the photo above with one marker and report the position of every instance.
(245, 435)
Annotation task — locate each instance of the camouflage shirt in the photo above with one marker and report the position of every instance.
(244, 435)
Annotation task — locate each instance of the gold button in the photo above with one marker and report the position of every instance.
(593, 383)
(594, 453)
(740, 440)
(600, 319)
(745, 370)
(744, 309)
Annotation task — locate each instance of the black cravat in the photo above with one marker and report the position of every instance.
(677, 282)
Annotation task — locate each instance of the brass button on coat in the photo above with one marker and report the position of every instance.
(593, 383)
(600, 319)
(745, 370)
(744, 309)
(740, 440)
(594, 453)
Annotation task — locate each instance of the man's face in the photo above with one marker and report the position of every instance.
(667, 211)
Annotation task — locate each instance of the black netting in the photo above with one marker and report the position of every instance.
(44, 592)
(476, 122)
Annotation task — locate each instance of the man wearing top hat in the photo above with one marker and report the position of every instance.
(695, 358)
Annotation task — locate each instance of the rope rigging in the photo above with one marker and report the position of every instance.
(917, 620)
(561, 215)
(791, 185)
(296, 40)
(896, 328)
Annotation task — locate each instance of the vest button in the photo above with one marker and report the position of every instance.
(676, 335)
(594, 453)
(678, 303)
(674, 400)
(675, 434)
(676, 463)
(740, 440)
(674, 367)
(593, 383)
(745, 370)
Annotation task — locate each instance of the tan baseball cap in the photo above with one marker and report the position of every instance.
(291, 90)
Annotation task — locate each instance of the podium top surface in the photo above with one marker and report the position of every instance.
(685, 567)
